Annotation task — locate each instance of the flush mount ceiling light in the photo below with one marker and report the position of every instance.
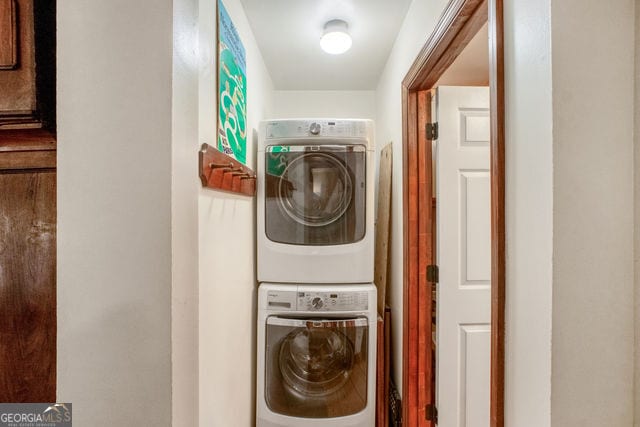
(336, 39)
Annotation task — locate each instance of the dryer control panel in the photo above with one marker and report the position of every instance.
(326, 128)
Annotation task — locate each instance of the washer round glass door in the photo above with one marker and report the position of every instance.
(315, 361)
(316, 368)
(315, 189)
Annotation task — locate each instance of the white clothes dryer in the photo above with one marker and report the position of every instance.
(315, 215)
(316, 363)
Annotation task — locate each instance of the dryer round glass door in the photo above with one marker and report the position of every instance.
(316, 368)
(315, 189)
(315, 195)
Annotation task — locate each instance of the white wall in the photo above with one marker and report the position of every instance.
(529, 210)
(416, 28)
(114, 211)
(340, 104)
(184, 215)
(227, 304)
(637, 217)
(592, 344)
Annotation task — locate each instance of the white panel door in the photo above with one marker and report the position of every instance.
(464, 256)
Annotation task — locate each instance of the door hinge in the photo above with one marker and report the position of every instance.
(432, 131)
(431, 413)
(433, 274)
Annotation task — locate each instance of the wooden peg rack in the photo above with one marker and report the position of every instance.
(222, 172)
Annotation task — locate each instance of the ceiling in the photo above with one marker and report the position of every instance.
(471, 67)
(288, 34)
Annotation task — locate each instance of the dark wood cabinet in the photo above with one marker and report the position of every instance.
(27, 201)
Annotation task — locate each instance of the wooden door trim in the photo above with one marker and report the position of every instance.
(498, 214)
(410, 256)
(459, 22)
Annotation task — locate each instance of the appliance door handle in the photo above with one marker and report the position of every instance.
(317, 323)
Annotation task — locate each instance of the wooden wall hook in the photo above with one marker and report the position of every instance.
(221, 165)
(222, 172)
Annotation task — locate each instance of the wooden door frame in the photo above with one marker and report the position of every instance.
(459, 22)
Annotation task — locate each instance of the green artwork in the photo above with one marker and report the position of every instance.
(232, 89)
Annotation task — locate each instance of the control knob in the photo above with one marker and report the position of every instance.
(314, 128)
(317, 303)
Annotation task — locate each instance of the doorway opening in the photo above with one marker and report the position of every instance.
(459, 24)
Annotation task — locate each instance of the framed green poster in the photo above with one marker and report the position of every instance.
(232, 89)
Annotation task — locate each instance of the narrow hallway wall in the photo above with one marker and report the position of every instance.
(418, 24)
(529, 212)
(593, 310)
(637, 217)
(114, 211)
(185, 189)
(227, 306)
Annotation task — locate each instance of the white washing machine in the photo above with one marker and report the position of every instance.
(316, 355)
(315, 201)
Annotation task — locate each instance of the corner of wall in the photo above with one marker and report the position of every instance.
(184, 216)
(529, 212)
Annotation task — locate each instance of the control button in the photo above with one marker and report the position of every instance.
(314, 129)
(317, 303)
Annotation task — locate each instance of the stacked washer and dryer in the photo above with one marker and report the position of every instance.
(316, 300)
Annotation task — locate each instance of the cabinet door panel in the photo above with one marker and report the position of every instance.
(8, 35)
(18, 86)
(28, 286)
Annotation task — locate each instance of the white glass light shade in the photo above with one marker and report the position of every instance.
(336, 39)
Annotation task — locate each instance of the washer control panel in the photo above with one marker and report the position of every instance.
(328, 128)
(333, 301)
(308, 299)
